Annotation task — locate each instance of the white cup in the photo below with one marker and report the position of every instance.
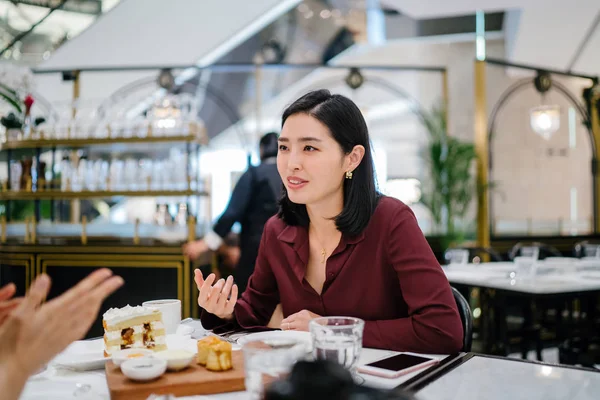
(171, 312)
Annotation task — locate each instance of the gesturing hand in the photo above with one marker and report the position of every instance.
(34, 332)
(7, 303)
(193, 250)
(218, 299)
(298, 321)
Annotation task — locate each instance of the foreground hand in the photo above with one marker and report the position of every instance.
(298, 321)
(218, 299)
(7, 303)
(35, 332)
(193, 250)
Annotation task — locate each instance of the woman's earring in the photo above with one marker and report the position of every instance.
(348, 174)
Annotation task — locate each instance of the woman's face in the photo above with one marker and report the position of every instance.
(310, 162)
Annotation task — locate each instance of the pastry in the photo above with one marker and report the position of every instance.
(133, 327)
(214, 354)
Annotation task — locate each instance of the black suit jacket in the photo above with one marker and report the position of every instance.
(252, 203)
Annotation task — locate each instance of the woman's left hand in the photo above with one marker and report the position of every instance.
(298, 321)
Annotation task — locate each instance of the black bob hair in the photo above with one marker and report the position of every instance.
(348, 128)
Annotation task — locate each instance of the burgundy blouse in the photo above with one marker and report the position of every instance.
(387, 276)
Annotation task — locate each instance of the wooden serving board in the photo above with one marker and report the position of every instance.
(191, 381)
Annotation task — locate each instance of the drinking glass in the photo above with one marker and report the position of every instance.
(267, 361)
(457, 256)
(16, 170)
(531, 252)
(338, 339)
(525, 268)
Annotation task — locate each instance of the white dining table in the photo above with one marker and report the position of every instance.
(505, 276)
(57, 382)
(496, 378)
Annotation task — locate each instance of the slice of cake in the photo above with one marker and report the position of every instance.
(133, 327)
(214, 354)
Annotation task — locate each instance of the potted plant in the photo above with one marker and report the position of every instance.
(15, 83)
(450, 186)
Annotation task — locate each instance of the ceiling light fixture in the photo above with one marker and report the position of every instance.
(544, 119)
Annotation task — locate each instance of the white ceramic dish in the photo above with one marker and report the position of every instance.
(121, 356)
(144, 369)
(176, 359)
(184, 330)
(83, 355)
(277, 337)
(87, 355)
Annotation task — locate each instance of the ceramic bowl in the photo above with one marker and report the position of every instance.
(176, 359)
(144, 369)
(119, 357)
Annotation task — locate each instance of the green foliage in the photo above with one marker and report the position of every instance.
(450, 185)
(20, 209)
(11, 97)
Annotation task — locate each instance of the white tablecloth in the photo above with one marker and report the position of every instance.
(505, 275)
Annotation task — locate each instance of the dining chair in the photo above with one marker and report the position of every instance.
(466, 317)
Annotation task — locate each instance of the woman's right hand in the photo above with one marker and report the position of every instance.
(218, 299)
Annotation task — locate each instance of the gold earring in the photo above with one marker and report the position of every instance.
(348, 174)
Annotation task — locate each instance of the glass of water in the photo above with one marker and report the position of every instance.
(267, 361)
(526, 268)
(338, 339)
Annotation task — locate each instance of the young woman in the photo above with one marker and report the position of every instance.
(338, 247)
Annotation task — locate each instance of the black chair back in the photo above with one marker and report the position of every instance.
(585, 248)
(464, 310)
(545, 250)
(476, 254)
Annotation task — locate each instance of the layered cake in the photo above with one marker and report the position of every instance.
(133, 327)
(214, 354)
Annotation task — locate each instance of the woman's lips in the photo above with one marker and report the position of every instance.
(294, 183)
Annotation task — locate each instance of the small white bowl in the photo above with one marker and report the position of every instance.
(185, 330)
(119, 357)
(144, 369)
(176, 359)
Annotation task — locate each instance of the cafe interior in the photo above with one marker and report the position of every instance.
(126, 125)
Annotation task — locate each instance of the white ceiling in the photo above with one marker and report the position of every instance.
(538, 32)
(150, 33)
(159, 32)
(443, 8)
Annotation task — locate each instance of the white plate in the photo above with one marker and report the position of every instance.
(277, 336)
(83, 355)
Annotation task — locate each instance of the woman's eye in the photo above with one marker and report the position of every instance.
(282, 147)
(309, 148)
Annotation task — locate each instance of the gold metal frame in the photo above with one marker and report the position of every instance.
(103, 250)
(41, 143)
(481, 148)
(124, 261)
(86, 194)
(21, 260)
(595, 120)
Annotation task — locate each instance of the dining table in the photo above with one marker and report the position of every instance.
(473, 376)
(461, 376)
(552, 283)
(59, 382)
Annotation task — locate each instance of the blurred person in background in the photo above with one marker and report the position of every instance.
(227, 258)
(253, 202)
